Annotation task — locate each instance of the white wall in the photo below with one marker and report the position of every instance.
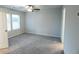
(45, 22)
(71, 33)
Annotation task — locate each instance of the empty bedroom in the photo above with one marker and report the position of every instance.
(31, 29)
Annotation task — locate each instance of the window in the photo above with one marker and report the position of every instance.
(8, 22)
(15, 22)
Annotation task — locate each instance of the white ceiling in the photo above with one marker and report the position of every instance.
(22, 7)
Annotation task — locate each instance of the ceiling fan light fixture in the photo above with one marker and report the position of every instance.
(29, 8)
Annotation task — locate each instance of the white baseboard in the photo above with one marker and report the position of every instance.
(44, 34)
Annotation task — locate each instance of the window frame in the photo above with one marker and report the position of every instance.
(11, 21)
(19, 22)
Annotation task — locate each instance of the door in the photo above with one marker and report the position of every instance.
(3, 31)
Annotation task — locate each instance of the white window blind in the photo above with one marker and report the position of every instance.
(15, 22)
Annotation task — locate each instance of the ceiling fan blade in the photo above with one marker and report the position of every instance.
(36, 9)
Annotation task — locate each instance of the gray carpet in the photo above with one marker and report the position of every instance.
(35, 44)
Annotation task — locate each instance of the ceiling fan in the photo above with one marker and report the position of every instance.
(31, 8)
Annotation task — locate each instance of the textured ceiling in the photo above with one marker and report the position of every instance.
(22, 7)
